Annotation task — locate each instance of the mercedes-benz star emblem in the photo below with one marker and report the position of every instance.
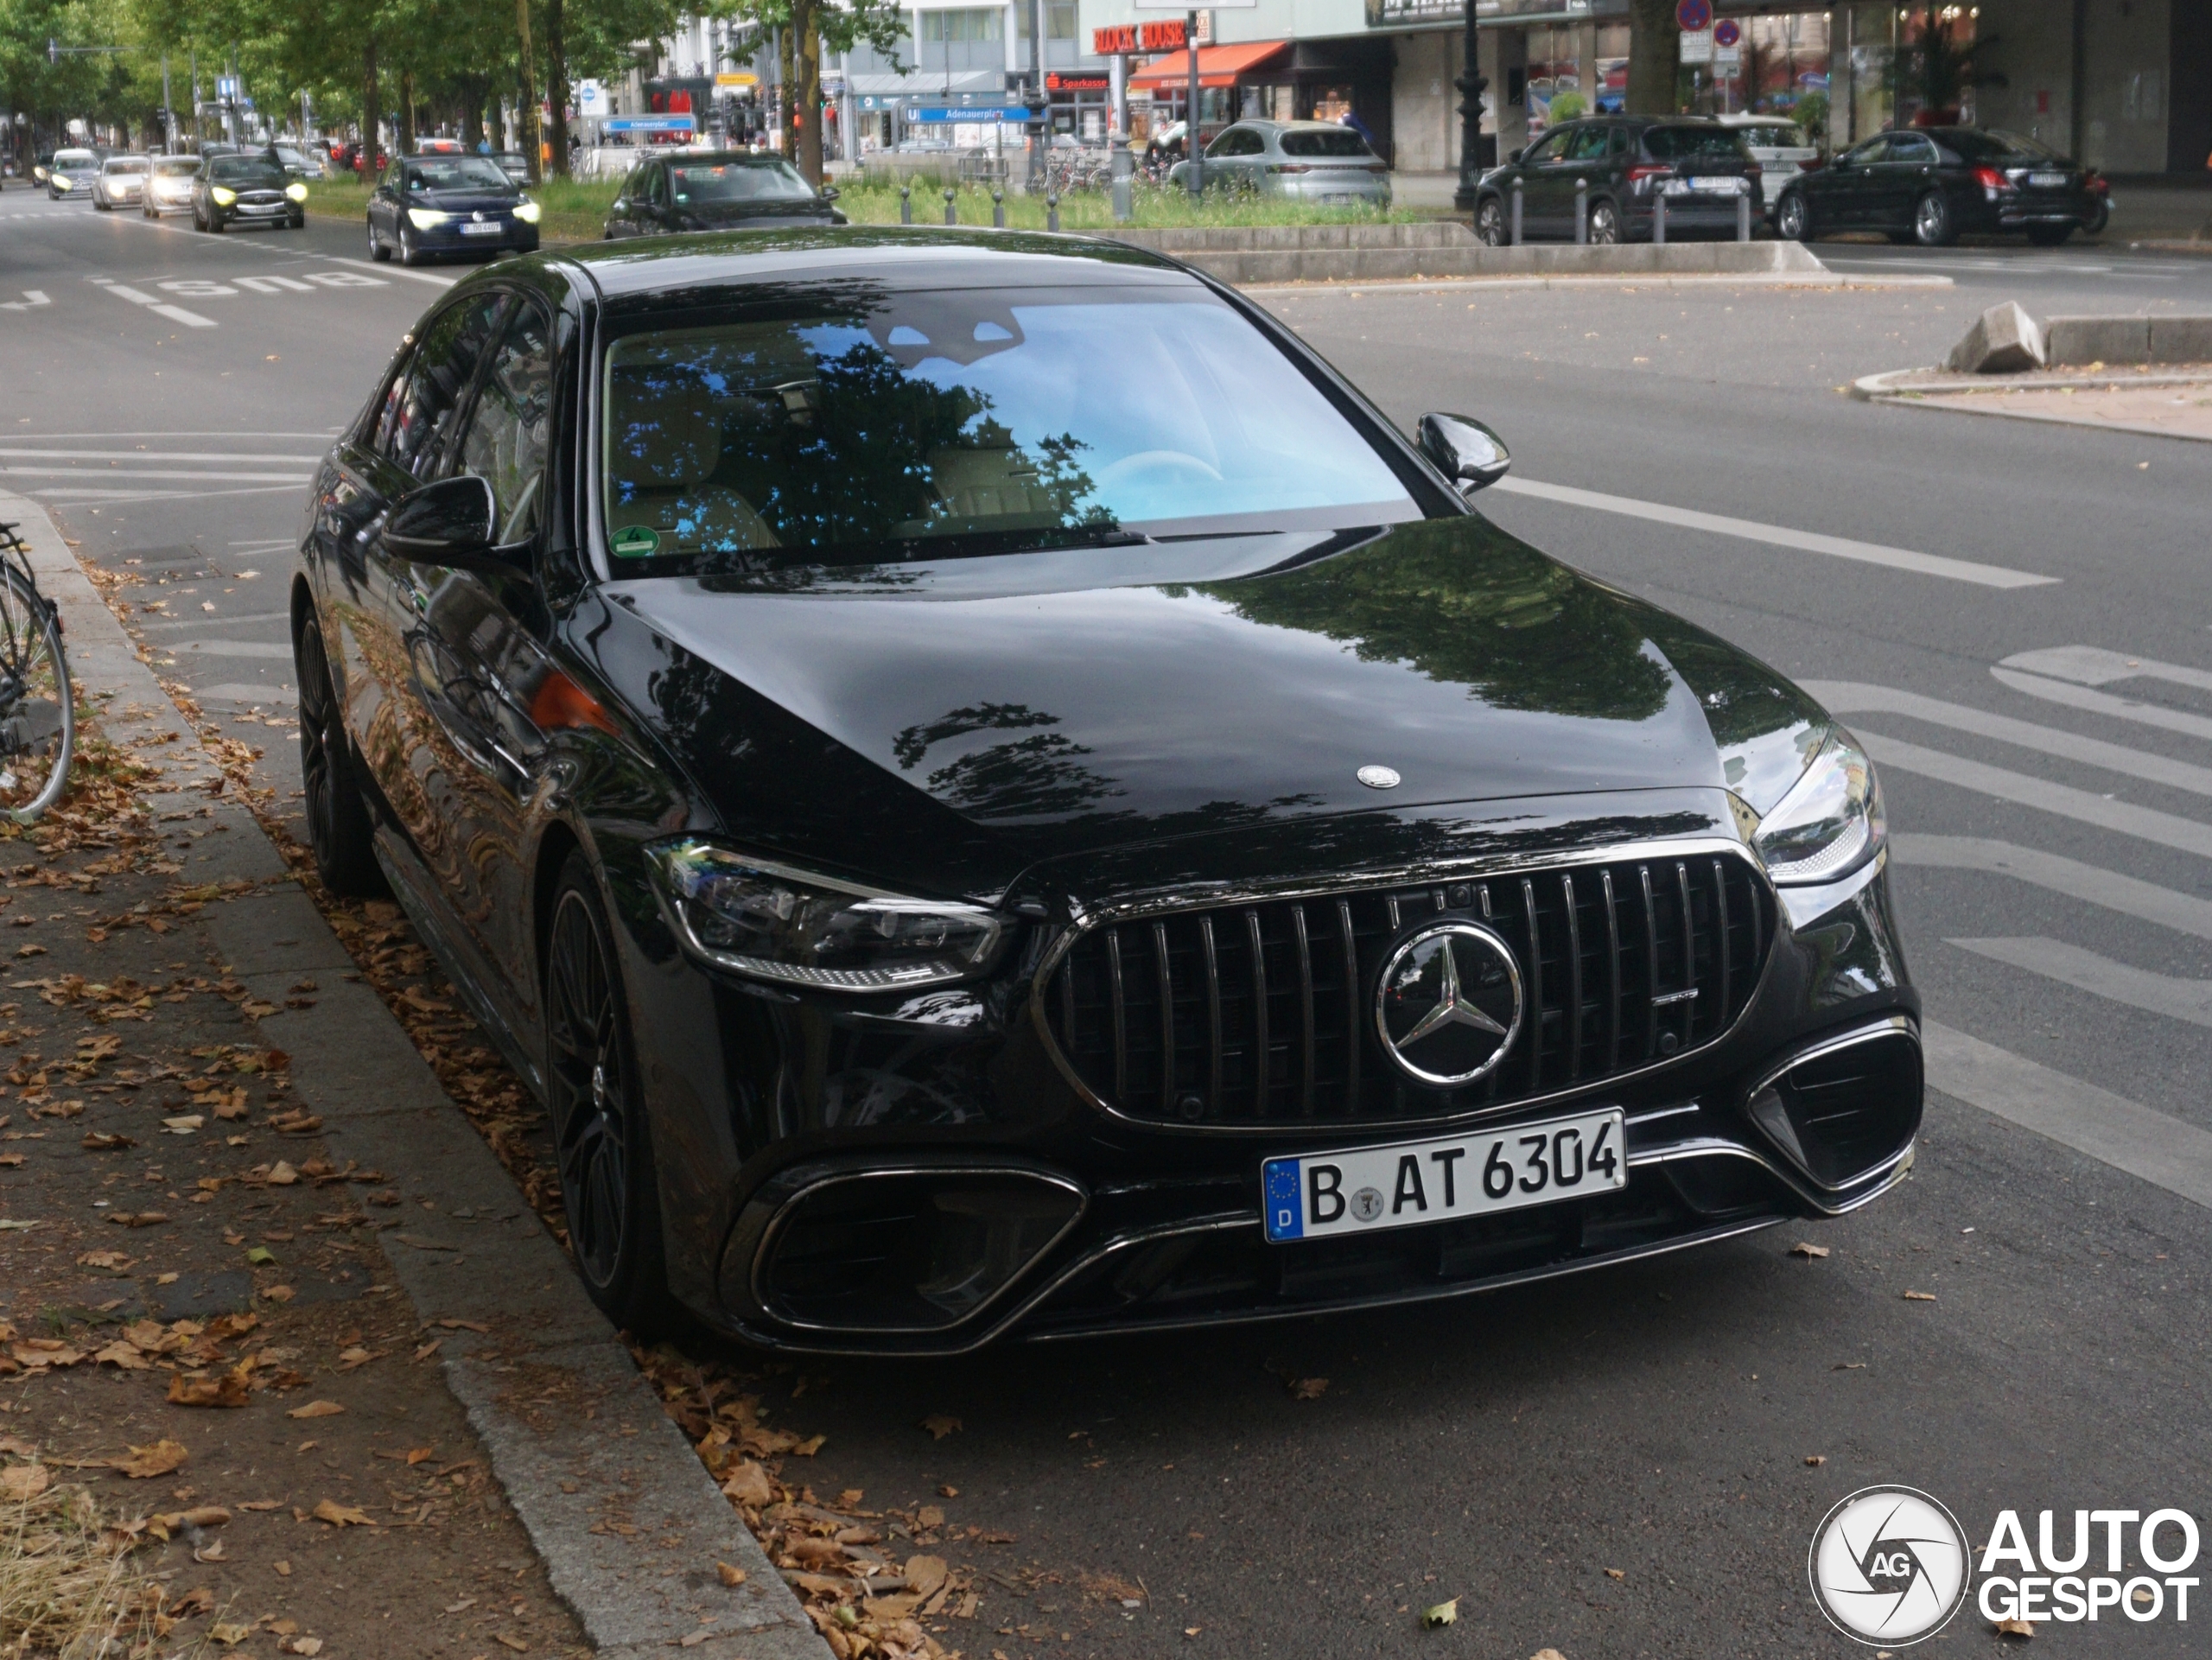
(1448, 1006)
(1379, 778)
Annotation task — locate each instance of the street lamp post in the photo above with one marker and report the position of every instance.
(1470, 84)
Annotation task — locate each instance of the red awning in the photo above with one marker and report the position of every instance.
(1218, 66)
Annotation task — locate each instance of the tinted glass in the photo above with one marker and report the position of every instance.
(1545, 150)
(724, 181)
(125, 164)
(1910, 147)
(1589, 144)
(901, 425)
(246, 172)
(420, 414)
(177, 167)
(1694, 143)
(74, 158)
(456, 173)
(1776, 137)
(1345, 144)
(505, 442)
(1995, 144)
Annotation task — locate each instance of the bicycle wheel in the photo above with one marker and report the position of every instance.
(38, 719)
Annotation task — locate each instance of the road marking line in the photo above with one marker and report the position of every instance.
(1846, 696)
(1872, 553)
(274, 284)
(2092, 665)
(2183, 912)
(32, 299)
(2110, 1128)
(2145, 823)
(153, 455)
(151, 473)
(210, 243)
(2103, 702)
(175, 314)
(2087, 971)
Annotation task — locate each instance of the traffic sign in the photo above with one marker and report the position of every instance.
(1726, 32)
(1695, 17)
(649, 124)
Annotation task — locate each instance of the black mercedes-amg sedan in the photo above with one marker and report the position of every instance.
(716, 190)
(991, 792)
(1929, 184)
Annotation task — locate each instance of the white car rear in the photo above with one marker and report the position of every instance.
(1779, 147)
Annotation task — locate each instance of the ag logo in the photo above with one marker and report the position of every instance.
(1448, 1004)
(1889, 1566)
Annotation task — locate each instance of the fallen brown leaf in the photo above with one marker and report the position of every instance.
(316, 1409)
(514, 1643)
(1920, 1296)
(341, 1515)
(147, 1462)
(2016, 1628)
(1310, 1389)
(1615, 1573)
(729, 1575)
(1442, 1614)
(98, 1141)
(229, 1388)
(1802, 1248)
(282, 1174)
(939, 1425)
(1816, 1459)
(20, 1483)
(925, 1573)
(747, 1484)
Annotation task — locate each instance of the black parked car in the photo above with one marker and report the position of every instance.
(231, 190)
(1629, 161)
(717, 191)
(430, 205)
(1927, 185)
(965, 845)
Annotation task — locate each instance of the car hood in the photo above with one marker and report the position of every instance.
(715, 215)
(462, 202)
(954, 724)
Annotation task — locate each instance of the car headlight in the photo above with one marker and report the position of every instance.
(427, 218)
(527, 212)
(1829, 824)
(296, 191)
(774, 923)
(223, 198)
(63, 184)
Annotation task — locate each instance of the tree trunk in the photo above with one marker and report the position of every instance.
(806, 99)
(406, 122)
(784, 101)
(556, 84)
(1653, 55)
(473, 132)
(526, 104)
(372, 115)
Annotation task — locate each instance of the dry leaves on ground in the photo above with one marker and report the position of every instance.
(940, 1426)
(1804, 1248)
(316, 1409)
(144, 1463)
(1442, 1614)
(342, 1516)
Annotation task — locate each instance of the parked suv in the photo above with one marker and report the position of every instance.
(1628, 160)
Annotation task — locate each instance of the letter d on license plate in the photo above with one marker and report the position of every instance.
(1371, 1188)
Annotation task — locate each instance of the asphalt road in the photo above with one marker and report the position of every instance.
(2102, 277)
(2052, 826)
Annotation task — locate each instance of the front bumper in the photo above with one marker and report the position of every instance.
(814, 1147)
(510, 236)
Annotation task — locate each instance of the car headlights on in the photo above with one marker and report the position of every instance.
(296, 191)
(773, 923)
(527, 212)
(426, 218)
(223, 198)
(63, 184)
(1829, 824)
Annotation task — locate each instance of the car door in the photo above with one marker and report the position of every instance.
(622, 213)
(1899, 179)
(1840, 193)
(477, 673)
(1542, 166)
(660, 207)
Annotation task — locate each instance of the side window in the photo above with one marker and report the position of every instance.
(1548, 148)
(657, 187)
(1623, 142)
(505, 442)
(1917, 148)
(428, 396)
(1589, 144)
(1249, 143)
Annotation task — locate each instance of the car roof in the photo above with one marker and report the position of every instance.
(724, 158)
(700, 269)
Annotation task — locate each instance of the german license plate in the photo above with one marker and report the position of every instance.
(1718, 187)
(1368, 1189)
(473, 229)
(2048, 181)
(256, 207)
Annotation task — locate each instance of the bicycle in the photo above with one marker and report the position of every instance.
(38, 713)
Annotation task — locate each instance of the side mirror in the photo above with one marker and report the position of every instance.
(618, 205)
(1516, 156)
(1466, 452)
(828, 193)
(450, 522)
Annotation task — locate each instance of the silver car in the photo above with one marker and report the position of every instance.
(1308, 160)
(1779, 145)
(169, 187)
(121, 183)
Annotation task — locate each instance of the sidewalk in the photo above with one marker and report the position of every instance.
(247, 1232)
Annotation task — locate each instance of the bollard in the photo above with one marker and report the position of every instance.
(951, 213)
(1516, 212)
(1582, 213)
(1743, 216)
(1659, 213)
(998, 209)
(1052, 210)
(1124, 164)
(905, 204)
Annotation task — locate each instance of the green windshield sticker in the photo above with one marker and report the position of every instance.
(634, 541)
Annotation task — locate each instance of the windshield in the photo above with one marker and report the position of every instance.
(1698, 143)
(968, 421)
(1994, 145)
(75, 158)
(176, 166)
(461, 173)
(697, 184)
(125, 164)
(290, 156)
(1340, 143)
(246, 171)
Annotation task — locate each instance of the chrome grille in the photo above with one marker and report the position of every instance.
(1261, 1013)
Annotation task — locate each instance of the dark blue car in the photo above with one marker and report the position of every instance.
(430, 205)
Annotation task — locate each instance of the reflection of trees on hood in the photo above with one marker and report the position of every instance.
(1468, 605)
(1039, 776)
(1741, 697)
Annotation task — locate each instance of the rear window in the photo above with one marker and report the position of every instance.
(1994, 145)
(1694, 143)
(1777, 137)
(1345, 144)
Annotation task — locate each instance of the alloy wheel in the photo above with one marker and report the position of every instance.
(1604, 225)
(590, 1087)
(1792, 221)
(1931, 221)
(1489, 224)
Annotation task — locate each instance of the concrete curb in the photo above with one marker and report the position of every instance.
(614, 1499)
(1878, 389)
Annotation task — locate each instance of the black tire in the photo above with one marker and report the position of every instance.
(2100, 216)
(1932, 225)
(602, 1140)
(1793, 218)
(408, 253)
(1604, 225)
(378, 251)
(2049, 236)
(97, 203)
(214, 223)
(298, 222)
(338, 827)
(1489, 222)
